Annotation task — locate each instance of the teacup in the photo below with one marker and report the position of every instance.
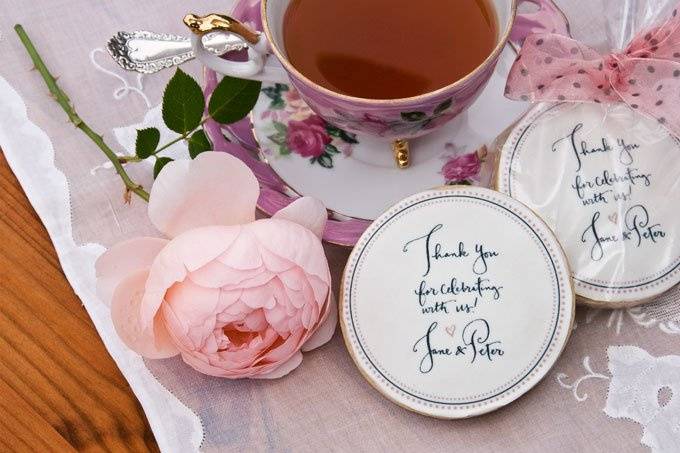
(397, 120)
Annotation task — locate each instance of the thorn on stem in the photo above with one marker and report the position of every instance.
(128, 159)
(127, 196)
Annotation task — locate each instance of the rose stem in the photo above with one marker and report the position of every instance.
(65, 103)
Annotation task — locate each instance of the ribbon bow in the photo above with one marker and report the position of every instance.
(646, 75)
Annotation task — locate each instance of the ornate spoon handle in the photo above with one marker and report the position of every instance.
(148, 52)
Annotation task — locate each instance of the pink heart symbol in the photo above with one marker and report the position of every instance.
(451, 329)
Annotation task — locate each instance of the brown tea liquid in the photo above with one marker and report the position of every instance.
(388, 49)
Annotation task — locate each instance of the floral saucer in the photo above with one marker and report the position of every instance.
(355, 175)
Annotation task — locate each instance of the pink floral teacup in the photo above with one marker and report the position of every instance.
(396, 120)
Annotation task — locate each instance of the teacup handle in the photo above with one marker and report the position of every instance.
(548, 19)
(259, 66)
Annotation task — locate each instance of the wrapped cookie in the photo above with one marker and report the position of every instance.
(598, 157)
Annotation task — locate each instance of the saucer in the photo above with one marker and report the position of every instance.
(355, 176)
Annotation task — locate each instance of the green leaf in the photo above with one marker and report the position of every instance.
(333, 131)
(147, 142)
(325, 160)
(274, 93)
(183, 103)
(279, 139)
(233, 99)
(348, 138)
(444, 106)
(277, 104)
(198, 143)
(281, 133)
(331, 149)
(271, 93)
(413, 116)
(161, 162)
(344, 136)
(284, 150)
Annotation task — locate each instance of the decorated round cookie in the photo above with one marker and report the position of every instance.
(606, 180)
(455, 302)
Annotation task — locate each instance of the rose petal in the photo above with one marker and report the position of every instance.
(153, 343)
(217, 275)
(286, 349)
(256, 321)
(200, 246)
(326, 330)
(308, 212)
(263, 278)
(309, 316)
(293, 279)
(234, 364)
(210, 345)
(203, 365)
(283, 369)
(188, 251)
(320, 288)
(275, 263)
(227, 299)
(243, 253)
(268, 371)
(213, 189)
(298, 299)
(293, 243)
(275, 316)
(259, 297)
(234, 312)
(123, 260)
(177, 329)
(192, 304)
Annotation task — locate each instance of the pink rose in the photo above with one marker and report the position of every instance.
(462, 168)
(308, 138)
(237, 298)
(440, 120)
(292, 95)
(372, 124)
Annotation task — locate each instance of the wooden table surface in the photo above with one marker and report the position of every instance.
(59, 388)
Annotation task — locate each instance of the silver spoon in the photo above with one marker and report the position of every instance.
(148, 52)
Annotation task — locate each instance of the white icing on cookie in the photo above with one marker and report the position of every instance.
(607, 181)
(456, 302)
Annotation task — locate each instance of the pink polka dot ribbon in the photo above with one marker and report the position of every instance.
(646, 75)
